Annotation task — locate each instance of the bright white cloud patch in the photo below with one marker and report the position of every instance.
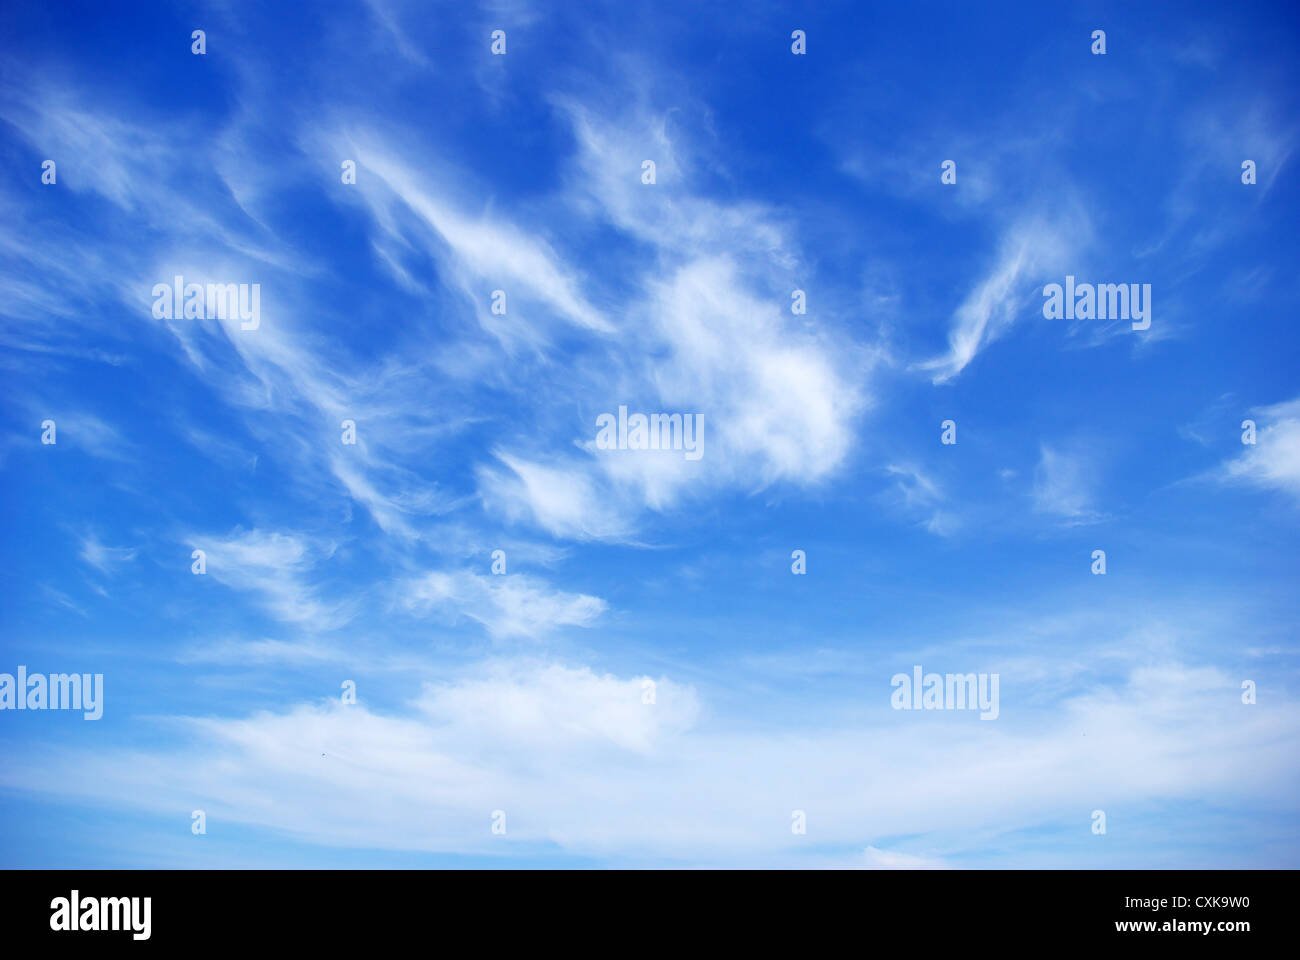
(581, 764)
(1274, 461)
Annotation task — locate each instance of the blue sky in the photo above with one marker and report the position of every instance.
(476, 431)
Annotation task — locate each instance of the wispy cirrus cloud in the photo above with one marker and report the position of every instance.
(104, 558)
(275, 569)
(516, 605)
(1064, 485)
(1273, 462)
(918, 493)
(1028, 252)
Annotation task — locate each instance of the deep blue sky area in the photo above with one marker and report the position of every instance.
(673, 660)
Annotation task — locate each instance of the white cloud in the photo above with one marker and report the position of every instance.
(580, 764)
(779, 406)
(237, 652)
(273, 567)
(509, 605)
(917, 493)
(85, 431)
(892, 860)
(551, 706)
(491, 253)
(1274, 461)
(564, 501)
(1063, 485)
(1030, 253)
(700, 334)
(103, 558)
